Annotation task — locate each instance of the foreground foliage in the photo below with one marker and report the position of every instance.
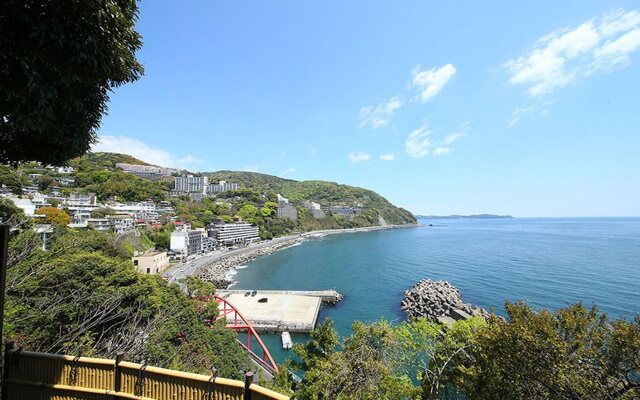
(58, 62)
(573, 353)
(80, 297)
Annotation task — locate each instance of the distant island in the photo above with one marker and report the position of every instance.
(455, 216)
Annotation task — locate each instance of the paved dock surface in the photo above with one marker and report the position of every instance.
(281, 312)
(330, 296)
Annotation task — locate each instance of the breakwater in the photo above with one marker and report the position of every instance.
(217, 271)
(438, 301)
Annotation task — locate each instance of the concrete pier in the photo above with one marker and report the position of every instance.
(327, 296)
(280, 310)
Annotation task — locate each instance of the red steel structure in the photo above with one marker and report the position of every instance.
(238, 322)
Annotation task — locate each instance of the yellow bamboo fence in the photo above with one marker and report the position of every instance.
(41, 376)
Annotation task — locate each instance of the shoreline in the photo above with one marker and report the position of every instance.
(221, 269)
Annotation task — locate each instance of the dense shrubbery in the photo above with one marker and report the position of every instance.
(574, 353)
(81, 297)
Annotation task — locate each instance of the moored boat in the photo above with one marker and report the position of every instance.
(286, 341)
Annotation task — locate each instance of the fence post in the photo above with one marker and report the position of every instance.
(248, 380)
(117, 374)
(5, 371)
(4, 249)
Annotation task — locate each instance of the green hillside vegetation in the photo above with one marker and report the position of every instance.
(105, 160)
(572, 353)
(254, 202)
(120, 185)
(323, 192)
(96, 173)
(81, 297)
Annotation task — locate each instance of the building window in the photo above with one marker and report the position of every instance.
(135, 262)
(148, 270)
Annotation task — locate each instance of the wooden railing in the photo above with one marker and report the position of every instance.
(41, 376)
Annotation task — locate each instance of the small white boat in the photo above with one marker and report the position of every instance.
(286, 341)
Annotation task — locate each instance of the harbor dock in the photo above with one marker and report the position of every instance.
(327, 296)
(277, 310)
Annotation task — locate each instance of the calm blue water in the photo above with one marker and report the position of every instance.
(546, 262)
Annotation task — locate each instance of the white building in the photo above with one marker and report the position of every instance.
(26, 205)
(146, 171)
(99, 224)
(189, 242)
(191, 184)
(121, 224)
(314, 208)
(234, 233)
(221, 186)
(179, 240)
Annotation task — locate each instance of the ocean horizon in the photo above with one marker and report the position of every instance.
(547, 262)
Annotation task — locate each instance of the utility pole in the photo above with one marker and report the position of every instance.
(4, 249)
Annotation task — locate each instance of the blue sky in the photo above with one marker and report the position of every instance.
(530, 109)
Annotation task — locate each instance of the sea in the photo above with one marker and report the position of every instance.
(546, 262)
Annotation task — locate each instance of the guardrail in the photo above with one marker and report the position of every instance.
(40, 376)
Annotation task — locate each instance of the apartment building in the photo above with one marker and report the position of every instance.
(221, 187)
(314, 208)
(286, 211)
(146, 171)
(228, 234)
(191, 184)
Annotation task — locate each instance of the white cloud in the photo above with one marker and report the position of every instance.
(388, 157)
(438, 151)
(417, 144)
(433, 80)
(290, 171)
(358, 156)
(453, 137)
(380, 115)
(139, 149)
(532, 111)
(312, 150)
(567, 55)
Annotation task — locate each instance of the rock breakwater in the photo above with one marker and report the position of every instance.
(217, 272)
(438, 301)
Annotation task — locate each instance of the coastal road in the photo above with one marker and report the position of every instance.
(193, 264)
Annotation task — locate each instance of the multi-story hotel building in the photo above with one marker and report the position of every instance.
(191, 184)
(234, 233)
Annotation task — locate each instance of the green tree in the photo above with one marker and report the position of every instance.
(58, 62)
(44, 182)
(320, 346)
(573, 353)
(79, 297)
(437, 353)
(11, 178)
(247, 213)
(53, 215)
(10, 213)
(365, 369)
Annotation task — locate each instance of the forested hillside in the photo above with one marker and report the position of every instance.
(81, 297)
(323, 192)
